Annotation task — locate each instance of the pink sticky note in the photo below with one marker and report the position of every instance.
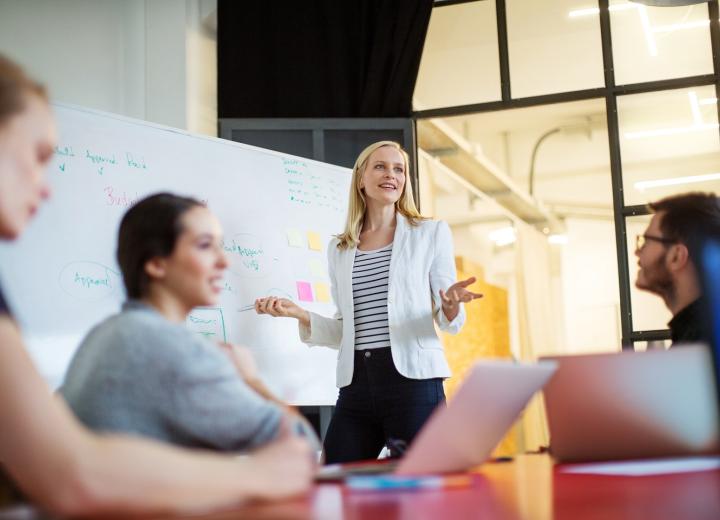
(304, 291)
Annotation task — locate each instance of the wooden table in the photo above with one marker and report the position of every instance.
(528, 488)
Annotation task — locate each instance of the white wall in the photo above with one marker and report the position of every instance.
(148, 59)
(590, 287)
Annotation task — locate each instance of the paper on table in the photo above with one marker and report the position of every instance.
(640, 468)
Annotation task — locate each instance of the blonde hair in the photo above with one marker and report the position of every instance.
(405, 205)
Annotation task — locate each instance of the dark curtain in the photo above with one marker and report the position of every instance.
(319, 58)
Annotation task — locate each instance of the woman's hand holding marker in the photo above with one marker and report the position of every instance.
(282, 307)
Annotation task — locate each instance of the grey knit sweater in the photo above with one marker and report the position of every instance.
(137, 372)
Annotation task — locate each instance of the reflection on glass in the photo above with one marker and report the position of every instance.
(669, 143)
(660, 344)
(648, 310)
(570, 163)
(460, 60)
(550, 51)
(652, 43)
(573, 272)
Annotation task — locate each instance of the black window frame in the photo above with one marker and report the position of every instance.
(610, 93)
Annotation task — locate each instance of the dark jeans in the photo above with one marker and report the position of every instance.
(378, 404)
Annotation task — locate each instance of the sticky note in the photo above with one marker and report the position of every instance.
(317, 269)
(314, 241)
(322, 292)
(295, 238)
(304, 291)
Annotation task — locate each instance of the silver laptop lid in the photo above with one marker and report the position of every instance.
(632, 405)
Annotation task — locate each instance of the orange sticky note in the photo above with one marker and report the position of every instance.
(322, 292)
(314, 242)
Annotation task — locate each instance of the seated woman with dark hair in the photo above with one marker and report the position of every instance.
(46, 455)
(142, 371)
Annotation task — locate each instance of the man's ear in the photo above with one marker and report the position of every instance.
(155, 268)
(678, 257)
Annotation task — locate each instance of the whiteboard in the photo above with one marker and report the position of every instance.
(278, 213)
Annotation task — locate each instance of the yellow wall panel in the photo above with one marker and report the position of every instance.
(486, 334)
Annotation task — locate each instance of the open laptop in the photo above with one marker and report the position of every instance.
(463, 434)
(633, 405)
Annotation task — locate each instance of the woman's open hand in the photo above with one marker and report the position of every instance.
(456, 294)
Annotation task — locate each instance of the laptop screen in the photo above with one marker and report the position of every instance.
(711, 290)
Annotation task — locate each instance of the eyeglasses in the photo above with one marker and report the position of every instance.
(641, 240)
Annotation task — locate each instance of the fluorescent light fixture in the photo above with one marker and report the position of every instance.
(503, 236)
(623, 7)
(594, 10)
(648, 29)
(670, 131)
(645, 22)
(708, 101)
(676, 181)
(679, 26)
(584, 12)
(695, 107)
(558, 239)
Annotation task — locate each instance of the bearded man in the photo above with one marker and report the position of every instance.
(669, 258)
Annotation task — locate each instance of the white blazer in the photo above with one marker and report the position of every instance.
(422, 263)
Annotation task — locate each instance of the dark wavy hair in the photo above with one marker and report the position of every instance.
(149, 229)
(689, 218)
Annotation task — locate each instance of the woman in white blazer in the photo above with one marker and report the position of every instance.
(393, 276)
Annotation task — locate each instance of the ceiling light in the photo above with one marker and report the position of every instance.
(670, 131)
(708, 101)
(584, 12)
(594, 10)
(503, 236)
(558, 239)
(679, 26)
(645, 22)
(695, 107)
(675, 181)
(669, 3)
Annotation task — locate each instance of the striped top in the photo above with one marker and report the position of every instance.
(370, 291)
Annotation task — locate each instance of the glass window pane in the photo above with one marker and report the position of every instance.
(669, 143)
(562, 288)
(550, 50)
(660, 344)
(648, 310)
(460, 63)
(651, 43)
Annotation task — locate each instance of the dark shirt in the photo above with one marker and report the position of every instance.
(687, 325)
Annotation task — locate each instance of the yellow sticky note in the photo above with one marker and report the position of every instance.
(295, 238)
(314, 241)
(322, 292)
(317, 269)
